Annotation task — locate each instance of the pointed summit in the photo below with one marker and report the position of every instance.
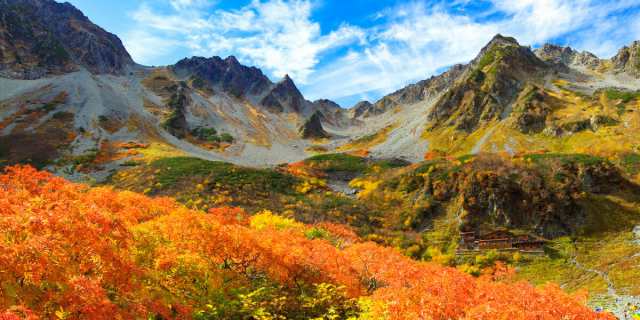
(312, 128)
(502, 40)
(490, 84)
(288, 83)
(284, 94)
(232, 60)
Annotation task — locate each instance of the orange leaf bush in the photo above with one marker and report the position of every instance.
(70, 251)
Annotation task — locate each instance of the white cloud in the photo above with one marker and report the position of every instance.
(145, 47)
(278, 36)
(186, 4)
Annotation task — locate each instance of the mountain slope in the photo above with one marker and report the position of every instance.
(40, 38)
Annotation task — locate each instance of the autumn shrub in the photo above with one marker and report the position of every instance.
(68, 251)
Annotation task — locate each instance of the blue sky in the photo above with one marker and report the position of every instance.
(351, 50)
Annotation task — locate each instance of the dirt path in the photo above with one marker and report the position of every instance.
(620, 301)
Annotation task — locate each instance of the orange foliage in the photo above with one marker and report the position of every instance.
(359, 153)
(99, 254)
(301, 169)
(434, 154)
(342, 232)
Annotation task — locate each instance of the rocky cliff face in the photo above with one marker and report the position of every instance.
(284, 96)
(42, 37)
(249, 83)
(628, 59)
(567, 56)
(312, 128)
(224, 74)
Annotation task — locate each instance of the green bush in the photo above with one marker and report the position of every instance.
(173, 170)
(625, 96)
(338, 162)
(225, 137)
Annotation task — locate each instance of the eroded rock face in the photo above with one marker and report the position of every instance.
(567, 56)
(286, 95)
(42, 37)
(312, 128)
(332, 113)
(361, 108)
(176, 122)
(227, 74)
(628, 59)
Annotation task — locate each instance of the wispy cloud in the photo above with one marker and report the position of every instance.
(276, 35)
(401, 44)
(416, 40)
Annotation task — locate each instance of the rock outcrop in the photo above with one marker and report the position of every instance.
(44, 37)
(224, 74)
(312, 128)
(627, 60)
(567, 56)
(284, 96)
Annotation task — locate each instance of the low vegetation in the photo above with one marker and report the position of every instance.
(100, 254)
(623, 96)
(172, 170)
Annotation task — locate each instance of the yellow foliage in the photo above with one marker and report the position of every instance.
(366, 186)
(311, 184)
(266, 219)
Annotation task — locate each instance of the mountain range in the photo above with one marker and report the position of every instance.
(70, 89)
(522, 159)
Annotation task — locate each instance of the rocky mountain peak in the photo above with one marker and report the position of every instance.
(287, 84)
(227, 74)
(326, 103)
(567, 56)
(284, 96)
(312, 128)
(42, 37)
(489, 85)
(360, 108)
(232, 60)
(628, 59)
(554, 53)
(499, 39)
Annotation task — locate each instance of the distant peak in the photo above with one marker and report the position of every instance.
(287, 82)
(500, 39)
(232, 60)
(362, 103)
(326, 102)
